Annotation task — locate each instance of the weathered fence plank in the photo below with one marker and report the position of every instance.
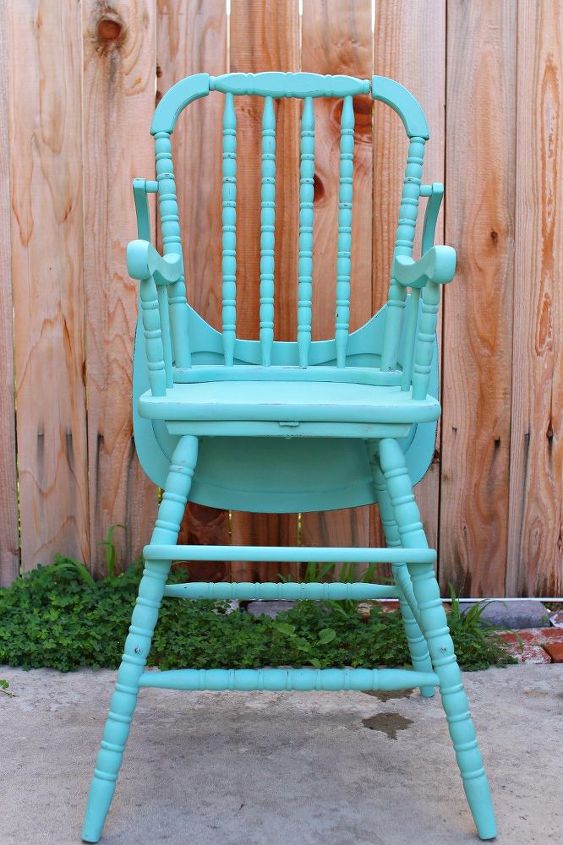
(409, 46)
(9, 543)
(192, 37)
(264, 36)
(477, 372)
(47, 268)
(336, 38)
(119, 72)
(535, 547)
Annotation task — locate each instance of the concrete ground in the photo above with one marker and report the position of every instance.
(280, 768)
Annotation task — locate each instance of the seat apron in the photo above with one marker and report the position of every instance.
(276, 475)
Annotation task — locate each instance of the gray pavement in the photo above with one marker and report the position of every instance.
(280, 768)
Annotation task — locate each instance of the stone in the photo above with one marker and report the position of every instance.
(268, 608)
(504, 613)
(556, 619)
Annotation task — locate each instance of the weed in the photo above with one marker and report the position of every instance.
(110, 552)
(59, 617)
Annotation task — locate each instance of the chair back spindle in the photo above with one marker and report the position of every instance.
(306, 219)
(229, 219)
(404, 240)
(267, 230)
(178, 343)
(344, 246)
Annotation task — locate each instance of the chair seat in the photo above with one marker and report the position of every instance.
(287, 401)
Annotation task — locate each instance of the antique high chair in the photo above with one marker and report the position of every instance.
(272, 426)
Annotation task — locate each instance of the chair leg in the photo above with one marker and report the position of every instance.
(138, 642)
(435, 627)
(418, 647)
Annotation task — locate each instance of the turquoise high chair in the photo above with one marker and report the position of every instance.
(270, 426)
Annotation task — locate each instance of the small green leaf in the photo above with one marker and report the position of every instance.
(327, 635)
(285, 628)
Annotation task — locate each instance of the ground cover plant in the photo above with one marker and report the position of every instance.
(58, 616)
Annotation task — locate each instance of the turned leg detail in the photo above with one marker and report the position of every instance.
(435, 627)
(417, 644)
(138, 642)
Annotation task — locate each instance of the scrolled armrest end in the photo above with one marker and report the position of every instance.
(143, 261)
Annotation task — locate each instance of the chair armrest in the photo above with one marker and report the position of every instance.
(436, 265)
(143, 261)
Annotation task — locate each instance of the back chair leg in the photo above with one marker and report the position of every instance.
(418, 647)
(435, 628)
(138, 642)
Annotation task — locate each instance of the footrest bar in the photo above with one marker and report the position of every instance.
(289, 679)
(291, 591)
(276, 554)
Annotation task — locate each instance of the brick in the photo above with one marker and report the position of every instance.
(555, 651)
(538, 636)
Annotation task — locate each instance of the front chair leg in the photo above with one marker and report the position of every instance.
(435, 627)
(416, 642)
(138, 642)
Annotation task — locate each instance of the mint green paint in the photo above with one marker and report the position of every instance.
(229, 229)
(172, 244)
(291, 591)
(306, 220)
(409, 609)
(287, 679)
(267, 230)
(408, 213)
(292, 553)
(434, 625)
(344, 245)
(401, 101)
(268, 476)
(276, 84)
(138, 642)
(267, 425)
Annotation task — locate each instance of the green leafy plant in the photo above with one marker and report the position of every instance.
(110, 552)
(72, 567)
(478, 642)
(4, 687)
(59, 617)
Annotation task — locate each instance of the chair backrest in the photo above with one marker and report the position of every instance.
(397, 344)
(189, 349)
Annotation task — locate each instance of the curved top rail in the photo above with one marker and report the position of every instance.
(403, 102)
(280, 84)
(176, 99)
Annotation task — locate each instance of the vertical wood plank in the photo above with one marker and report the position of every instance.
(535, 547)
(192, 37)
(47, 267)
(119, 73)
(337, 38)
(9, 543)
(264, 35)
(409, 46)
(480, 178)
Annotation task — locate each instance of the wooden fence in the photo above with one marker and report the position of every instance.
(77, 85)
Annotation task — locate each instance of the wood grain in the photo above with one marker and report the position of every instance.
(119, 73)
(535, 547)
(480, 178)
(47, 268)
(9, 542)
(264, 35)
(192, 36)
(336, 38)
(409, 46)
